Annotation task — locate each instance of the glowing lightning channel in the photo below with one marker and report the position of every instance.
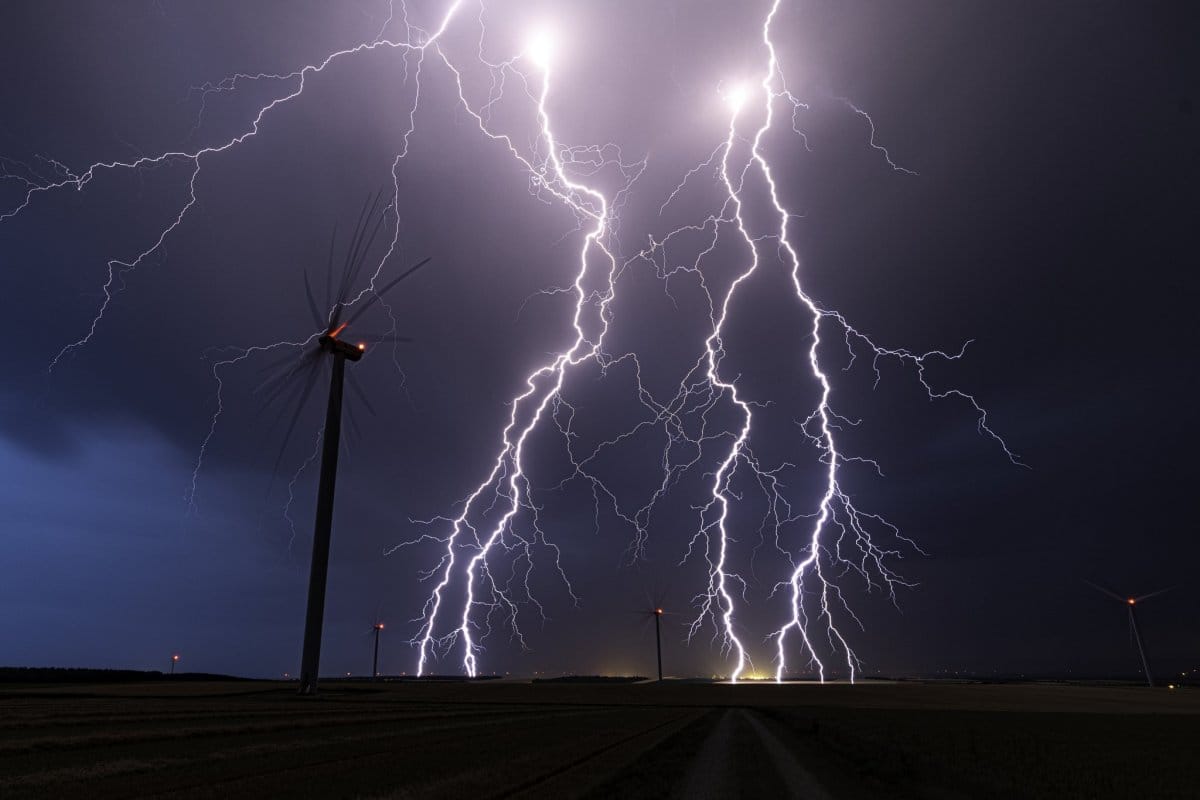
(699, 392)
(875, 145)
(835, 507)
(116, 268)
(841, 540)
(718, 601)
(853, 549)
(542, 387)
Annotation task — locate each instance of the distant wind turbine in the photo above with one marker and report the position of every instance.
(656, 611)
(1131, 602)
(378, 628)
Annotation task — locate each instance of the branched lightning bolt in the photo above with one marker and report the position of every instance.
(836, 509)
(842, 538)
(287, 508)
(501, 516)
(871, 141)
(507, 483)
(418, 42)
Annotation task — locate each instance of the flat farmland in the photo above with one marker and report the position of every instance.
(508, 739)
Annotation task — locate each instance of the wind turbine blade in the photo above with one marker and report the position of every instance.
(1106, 591)
(277, 383)
(291, 427)
(290, 358)
(360, 225)
(661, 593)
(352, 423)
(350, 266)
(301, 398)
(359, 392)
(329, 271)
(350, 251)
(387, 287)
(365, 249)
(1153, 594)
(312, 303)
(380, 338)
(384, 338)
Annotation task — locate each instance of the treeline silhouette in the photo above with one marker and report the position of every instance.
(84, 675)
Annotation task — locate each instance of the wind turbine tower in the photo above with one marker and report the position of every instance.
(658, 612)
(335, 347)
(378, 628)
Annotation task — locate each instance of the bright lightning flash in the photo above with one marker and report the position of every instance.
(541, 47)
(500, 517)
(735, 97)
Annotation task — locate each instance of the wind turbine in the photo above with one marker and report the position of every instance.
(378, 628)
(1131, 602)
(657, 612)
(333, 346)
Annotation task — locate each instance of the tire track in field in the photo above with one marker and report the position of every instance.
(719, 771)
(535, 786)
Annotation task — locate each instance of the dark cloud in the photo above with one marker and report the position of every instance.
(1051, 223)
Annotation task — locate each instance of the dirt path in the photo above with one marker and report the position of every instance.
(742, 757)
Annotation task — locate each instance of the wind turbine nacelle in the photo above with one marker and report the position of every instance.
(352, 352)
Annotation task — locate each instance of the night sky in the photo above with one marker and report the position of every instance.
(1051, 222)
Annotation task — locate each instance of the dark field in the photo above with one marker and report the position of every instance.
(483, 740)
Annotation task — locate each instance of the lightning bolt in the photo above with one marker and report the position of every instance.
(500, 516)
(117, 269)
(836, 509)
(842, 538)
(508, 479)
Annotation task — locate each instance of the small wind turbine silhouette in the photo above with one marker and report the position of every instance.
(657, 612)
(378, 628)
(1131, 602)
(333, 346)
